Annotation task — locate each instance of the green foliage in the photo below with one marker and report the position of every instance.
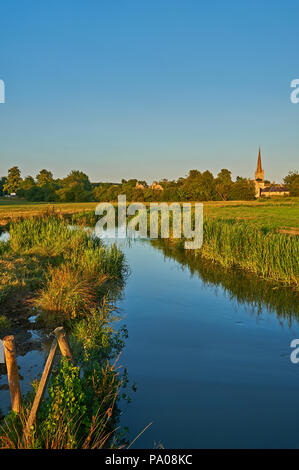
(76, 187)
(48, 235)
(66, 402)
(292, 183)
(26, 186)
(2, 183)
(271, 255)
(241, 190)
(3, 247)
(196, 186)
(79, 409)
(13, 181)
(78, 412)
(76, 267)
(5, 324)
(96, 335)
(66, 294)
(44, 177)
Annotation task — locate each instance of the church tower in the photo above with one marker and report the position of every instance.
(259, 180)
(259, 174)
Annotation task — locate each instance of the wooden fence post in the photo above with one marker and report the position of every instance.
(12, 373)
(41, 389)
(63, 343)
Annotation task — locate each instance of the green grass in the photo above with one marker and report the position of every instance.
(69, 267)
(272, 214)
(266, 253)
(79, 410)
(260, 236)
(76, 266)
(5, 324)
(276, 213)
(14, 209)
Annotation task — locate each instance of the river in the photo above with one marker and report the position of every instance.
(209, 351)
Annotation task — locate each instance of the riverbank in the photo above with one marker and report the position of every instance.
(260, 247)
(64, 277)
(260, 250)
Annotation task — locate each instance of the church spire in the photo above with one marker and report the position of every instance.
(259, 174)
(259, 162)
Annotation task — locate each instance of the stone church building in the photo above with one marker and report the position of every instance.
(265, 189)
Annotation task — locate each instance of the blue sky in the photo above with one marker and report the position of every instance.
(149, 89)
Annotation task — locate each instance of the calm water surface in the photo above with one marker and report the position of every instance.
(210, 371)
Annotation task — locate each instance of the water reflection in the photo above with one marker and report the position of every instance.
(240, 286)
(4, 237)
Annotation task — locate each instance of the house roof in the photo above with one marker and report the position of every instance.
(274, 189)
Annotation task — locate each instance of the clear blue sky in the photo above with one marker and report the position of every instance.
(149, 88)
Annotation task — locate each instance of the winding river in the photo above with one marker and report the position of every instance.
(209, 351)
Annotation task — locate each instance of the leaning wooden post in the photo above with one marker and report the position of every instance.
(63, 343)
(12, 373)
(41, 389)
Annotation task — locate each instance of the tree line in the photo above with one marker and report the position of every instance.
(76, 187)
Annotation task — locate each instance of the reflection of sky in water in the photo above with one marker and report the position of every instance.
(118, 234)
(30, 367)
(4, 237)
(209, 371)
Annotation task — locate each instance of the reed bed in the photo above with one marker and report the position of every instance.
(76, 266)
(266, 253)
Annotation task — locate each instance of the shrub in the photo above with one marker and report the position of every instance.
(66, 294)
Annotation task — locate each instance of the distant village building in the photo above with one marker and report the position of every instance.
(139, 186)
(266, 189)
(156, 186)
(277, 190)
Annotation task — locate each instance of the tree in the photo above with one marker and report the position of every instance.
(76, 176)
(25, 186)
(242, 190)
(27, 183)
(223, 183)
(2, 183)
(75, 187)
(292, 183)
(207, 186)
(14, 180)
(44, 177)
(35, 193)
(75, 192)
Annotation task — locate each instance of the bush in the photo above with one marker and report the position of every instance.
(66, 294)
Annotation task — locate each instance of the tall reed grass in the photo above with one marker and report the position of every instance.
(267, 253)
(76, 265)
(258, 249)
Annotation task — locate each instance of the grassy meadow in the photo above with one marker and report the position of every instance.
(280, 213)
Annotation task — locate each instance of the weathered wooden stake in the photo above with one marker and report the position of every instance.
(41, 388)
(63, 343)
(12, 373)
